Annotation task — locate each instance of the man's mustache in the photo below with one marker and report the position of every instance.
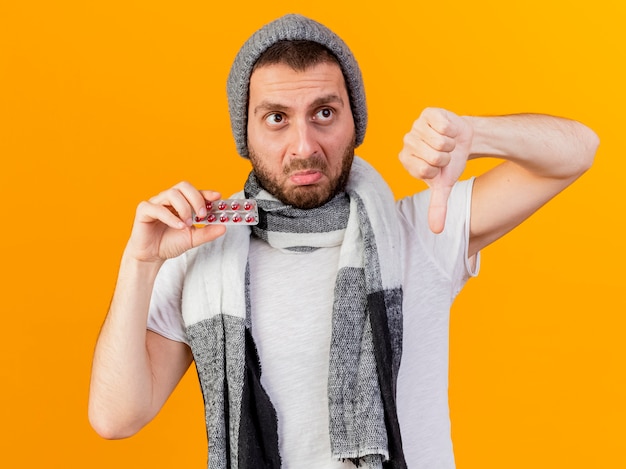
(304, 164)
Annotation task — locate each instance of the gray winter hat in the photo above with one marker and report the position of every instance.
(290, 27)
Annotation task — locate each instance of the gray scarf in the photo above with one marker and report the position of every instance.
(366, 338)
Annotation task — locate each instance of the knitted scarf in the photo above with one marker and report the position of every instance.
(366, 336)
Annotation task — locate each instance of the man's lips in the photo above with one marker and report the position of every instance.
(304, 178)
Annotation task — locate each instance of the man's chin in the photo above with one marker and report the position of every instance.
(307, 197)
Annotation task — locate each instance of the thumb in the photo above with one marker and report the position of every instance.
(438, 207)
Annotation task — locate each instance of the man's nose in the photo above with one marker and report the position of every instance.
(303, 140)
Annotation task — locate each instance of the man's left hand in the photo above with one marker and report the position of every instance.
(436, 151)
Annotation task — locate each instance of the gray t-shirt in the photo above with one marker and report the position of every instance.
(291, 296)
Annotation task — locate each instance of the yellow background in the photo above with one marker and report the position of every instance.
(103, 104)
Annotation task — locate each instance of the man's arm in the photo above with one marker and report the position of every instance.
(134, 370)
(543, 155)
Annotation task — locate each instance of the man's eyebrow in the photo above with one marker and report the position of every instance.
(269, 106)
(278, 107)
(327, 99)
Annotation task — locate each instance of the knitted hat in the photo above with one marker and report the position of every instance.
(290, 27)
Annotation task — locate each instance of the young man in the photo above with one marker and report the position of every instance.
(336, 284)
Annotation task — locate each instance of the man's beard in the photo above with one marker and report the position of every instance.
(307, 196)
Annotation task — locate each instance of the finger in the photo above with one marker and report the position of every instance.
(207, 196)
(422, 162)
(148, 212)
(182, 200)
(429, 145)
(438, 208)
(439, 142)
(211, 195)
(418, 168)
(194, 199)
(442, 121)
(422, 134)
(177, 202)
(197, 199)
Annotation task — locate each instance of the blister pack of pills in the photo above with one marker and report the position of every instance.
(230, 212)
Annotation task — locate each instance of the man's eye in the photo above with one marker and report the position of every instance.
(274, 119)
(324, 114)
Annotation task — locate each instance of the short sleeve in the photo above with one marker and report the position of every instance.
(449, 250)
(165, 314)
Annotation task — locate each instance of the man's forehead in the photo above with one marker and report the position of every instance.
(280, 69)
(280, 82)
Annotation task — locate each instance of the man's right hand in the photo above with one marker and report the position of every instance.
(135, 370)
(163, 226)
